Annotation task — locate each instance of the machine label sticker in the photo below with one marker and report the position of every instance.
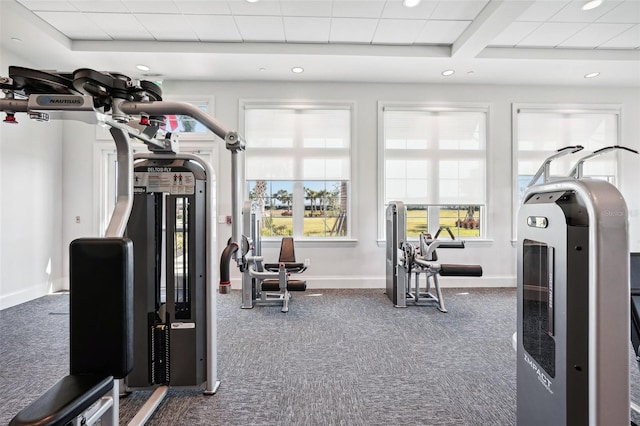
(46, 100)
(162, 179)
(182, 325)
(546, 382)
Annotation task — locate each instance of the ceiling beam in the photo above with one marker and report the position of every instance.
(312, 49)
(492, 20)
(560, 54)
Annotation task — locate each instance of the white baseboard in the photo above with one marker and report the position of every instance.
(22, 296)
(380, 282)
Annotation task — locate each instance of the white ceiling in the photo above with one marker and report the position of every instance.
(484, 41)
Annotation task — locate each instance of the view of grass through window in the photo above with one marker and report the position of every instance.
(319, 206)
(461, 221)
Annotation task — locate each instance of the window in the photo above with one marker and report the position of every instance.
(434, 160)
(539, 131)
(298, 167)
(185, 124)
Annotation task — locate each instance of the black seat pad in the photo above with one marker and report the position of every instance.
(64, 401)
(288, 266)
(448, 270)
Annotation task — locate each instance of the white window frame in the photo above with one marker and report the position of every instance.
(557, 109)
(350, 239)
(430, 107)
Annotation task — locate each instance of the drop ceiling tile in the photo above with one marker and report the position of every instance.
(120, 26)
(306, 29)
(514, 33)
(542, 10)
(50, 6)
(441, 32)
(458, 10)
(594, 35)
(260, 28)
(551, 34)
(199, 7)
(626, 13)
(629, 39)
(398, 31)
(151, 7)
(320, 8)
(358, 8)
(394, 9)
(214, 27)
(573, 12)
(352, 30)
(260, 8)
(100, 6)
(74, 25)
(165, 27)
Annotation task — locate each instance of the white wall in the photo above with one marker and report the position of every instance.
(30, 206)
(45, 164)
(362, 265)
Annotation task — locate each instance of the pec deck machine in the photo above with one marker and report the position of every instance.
(155, 317)
(573, 301)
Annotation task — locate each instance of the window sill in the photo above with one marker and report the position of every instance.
(312, 243)
(476, 242)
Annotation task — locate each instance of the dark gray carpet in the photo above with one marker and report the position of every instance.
(347, 357)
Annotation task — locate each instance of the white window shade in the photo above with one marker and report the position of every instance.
(541, 133)
(435, 157)
(298, 144)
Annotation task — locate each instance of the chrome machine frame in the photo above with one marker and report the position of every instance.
(253, 271)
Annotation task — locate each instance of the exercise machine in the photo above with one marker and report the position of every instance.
(634, 281)
(265, 283)
(573, 303)
(404, 261)
(182, 294)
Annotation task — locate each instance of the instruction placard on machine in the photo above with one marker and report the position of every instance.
(164, 180)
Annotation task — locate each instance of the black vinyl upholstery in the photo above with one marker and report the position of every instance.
(101, 300)
(101, 325)
(64, 401)
(449, 270)
(292, 285)
(288, 258)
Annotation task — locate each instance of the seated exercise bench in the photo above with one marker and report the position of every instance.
(273, 279)
(101, 338)
(425, 261)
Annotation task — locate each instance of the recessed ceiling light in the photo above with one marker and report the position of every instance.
(142, 67)
(410, 3)
(447, 73)
(592, 75)
(297, 70)
(591, 4)
(252, 1)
